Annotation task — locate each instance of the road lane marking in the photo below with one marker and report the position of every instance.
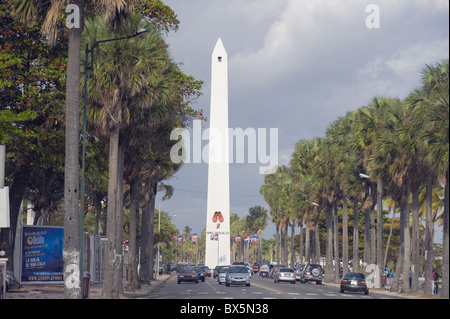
(267, 288)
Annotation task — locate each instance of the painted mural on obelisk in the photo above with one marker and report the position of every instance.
(218, 204)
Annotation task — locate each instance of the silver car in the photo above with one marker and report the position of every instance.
(237, 275)
(284, 274)
(221, 278)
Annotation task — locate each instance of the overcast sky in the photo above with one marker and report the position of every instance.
(296, 65)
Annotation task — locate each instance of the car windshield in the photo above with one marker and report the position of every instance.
(237, 270)
(188, 270)
(354, 275)
(286, 270)
(224, 269)
(312, 266)
(198, 268)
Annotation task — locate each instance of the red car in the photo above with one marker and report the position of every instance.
(207, 271)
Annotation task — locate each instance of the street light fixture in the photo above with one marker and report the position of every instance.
(364, 176)
(315, 204)
(89, 66)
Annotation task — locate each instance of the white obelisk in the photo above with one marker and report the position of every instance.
(218, 205)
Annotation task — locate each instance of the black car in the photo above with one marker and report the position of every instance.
(354, 281)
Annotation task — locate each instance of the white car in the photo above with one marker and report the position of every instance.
(222, 275)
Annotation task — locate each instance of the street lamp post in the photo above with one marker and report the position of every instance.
(89, 66)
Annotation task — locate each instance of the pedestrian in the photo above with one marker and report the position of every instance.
(433, 274)
(436, 282)
(410, 277)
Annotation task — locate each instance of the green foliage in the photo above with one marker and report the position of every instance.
(32, 94)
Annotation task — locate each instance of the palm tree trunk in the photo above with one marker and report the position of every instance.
(380, 225)
(71, 247)
(308, 242)
(112, 259)
(344, 234)
(133, 253)
(316, 242)
(406, 243)
(301, 240)
(151, 226)
(445, 257)
(292, 244)
(336, 241)
(119, 220)
(329, 248)
(277, 243)
(399, 265)
(415, 240)
(389, 237)
(428, 233)
(355, 236)
(145, 240)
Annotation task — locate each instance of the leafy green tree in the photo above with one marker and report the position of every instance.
(31, 116)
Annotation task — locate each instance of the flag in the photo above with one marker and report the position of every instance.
(194, 238)
(216, 237)
(238, 238)
(246, 239)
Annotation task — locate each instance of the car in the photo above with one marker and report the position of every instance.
(216, 271)
(221, 278)
(354, 281)
(264, 271)
(187, 274)
(200, 273)
(237, 275)
(274, 269)
(299, 271)
(284, 274)
(207, 271)
(255, 267)
(312, 272)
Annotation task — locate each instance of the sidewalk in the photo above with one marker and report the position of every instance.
(43, 291)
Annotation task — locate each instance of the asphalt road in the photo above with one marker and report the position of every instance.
(261, 288)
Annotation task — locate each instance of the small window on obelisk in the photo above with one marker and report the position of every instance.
(219, 58)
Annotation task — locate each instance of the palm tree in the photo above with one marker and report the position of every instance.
(30, 10)
(126, 77)
(432, 117)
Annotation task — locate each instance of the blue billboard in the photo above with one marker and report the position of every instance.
(42, 258)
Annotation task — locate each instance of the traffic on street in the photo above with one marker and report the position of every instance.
(253, 286)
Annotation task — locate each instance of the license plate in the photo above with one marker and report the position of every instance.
(354, 282)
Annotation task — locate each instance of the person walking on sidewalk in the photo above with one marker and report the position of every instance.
(433, 275)
(436, 282)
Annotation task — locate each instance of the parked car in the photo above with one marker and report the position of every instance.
(216, 271)
(264, 271)
(188, 274)
(312, 272)
(200, 273)
(299, 271)
(353, 281)
(237, 275)
(284, 274)
(221, 278)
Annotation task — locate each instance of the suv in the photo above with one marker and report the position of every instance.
(312, 272)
